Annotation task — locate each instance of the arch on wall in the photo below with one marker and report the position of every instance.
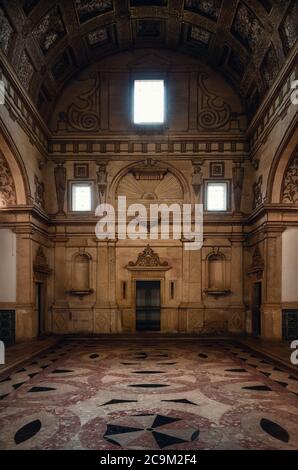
(281, 162)
(16, 166)
(159, 165)
(81, 273)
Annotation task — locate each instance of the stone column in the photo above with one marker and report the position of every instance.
(271, 321)
(237, 319)
(26, 321)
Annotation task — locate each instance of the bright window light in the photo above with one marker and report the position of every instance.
(81, 197)
(149, 102)
(217, 197)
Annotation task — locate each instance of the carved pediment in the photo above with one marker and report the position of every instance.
(40, 264)
(148, 259)
(149, 170)
(257, 265)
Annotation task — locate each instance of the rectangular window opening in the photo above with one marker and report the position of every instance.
(149, 102)
(81, 197)
(216, 196)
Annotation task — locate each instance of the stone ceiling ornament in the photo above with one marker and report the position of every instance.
(290, 185)
(148, 259)
(84, 113)
(7, 186)
(213, 112)
(253, 33)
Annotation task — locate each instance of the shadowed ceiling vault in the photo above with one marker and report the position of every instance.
(47, 42)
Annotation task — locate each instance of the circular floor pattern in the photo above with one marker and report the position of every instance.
(148, 430)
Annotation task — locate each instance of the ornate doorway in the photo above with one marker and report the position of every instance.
(148, 305)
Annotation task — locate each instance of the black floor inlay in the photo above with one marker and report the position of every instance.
(275, 430)
(149, 385)
(181, 400)
(27, 431)
(258, 388)
(116, 402)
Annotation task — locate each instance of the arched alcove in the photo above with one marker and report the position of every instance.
(216, 275)
(81, 274)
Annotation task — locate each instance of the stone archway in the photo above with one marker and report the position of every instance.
(13, 171)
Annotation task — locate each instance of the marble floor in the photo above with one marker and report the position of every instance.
(91, 394)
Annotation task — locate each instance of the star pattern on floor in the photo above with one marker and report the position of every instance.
(83, 394)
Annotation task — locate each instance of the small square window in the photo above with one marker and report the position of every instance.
(149, 102)
(81, 197)
(216, 196)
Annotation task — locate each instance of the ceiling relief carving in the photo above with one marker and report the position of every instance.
(49, 30)
(7, 186)
(209, 8)
(83, 114)
(6, 32)
(25, 70)
(214, 114)
(88, 9)
(75, 34)
(290, 191)
(247, 28)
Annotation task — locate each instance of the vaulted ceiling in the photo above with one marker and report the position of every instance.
(47, 42)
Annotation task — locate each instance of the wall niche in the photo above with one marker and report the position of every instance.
(81, 274)
(216, 275)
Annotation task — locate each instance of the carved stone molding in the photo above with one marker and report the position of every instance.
(197, 180)
(39, 192)
(102, 182)
(60, 181)
(238, 177)
(257, 193)
(7, 186)
(148, 259)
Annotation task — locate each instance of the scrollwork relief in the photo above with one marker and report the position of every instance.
(290, 186)
(7, 186)
(214, 113)
(83, 114)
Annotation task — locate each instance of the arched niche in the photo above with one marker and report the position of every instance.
(16, 167)
(216, 274)
(81, 274)
(280, 164)
(150, 181)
